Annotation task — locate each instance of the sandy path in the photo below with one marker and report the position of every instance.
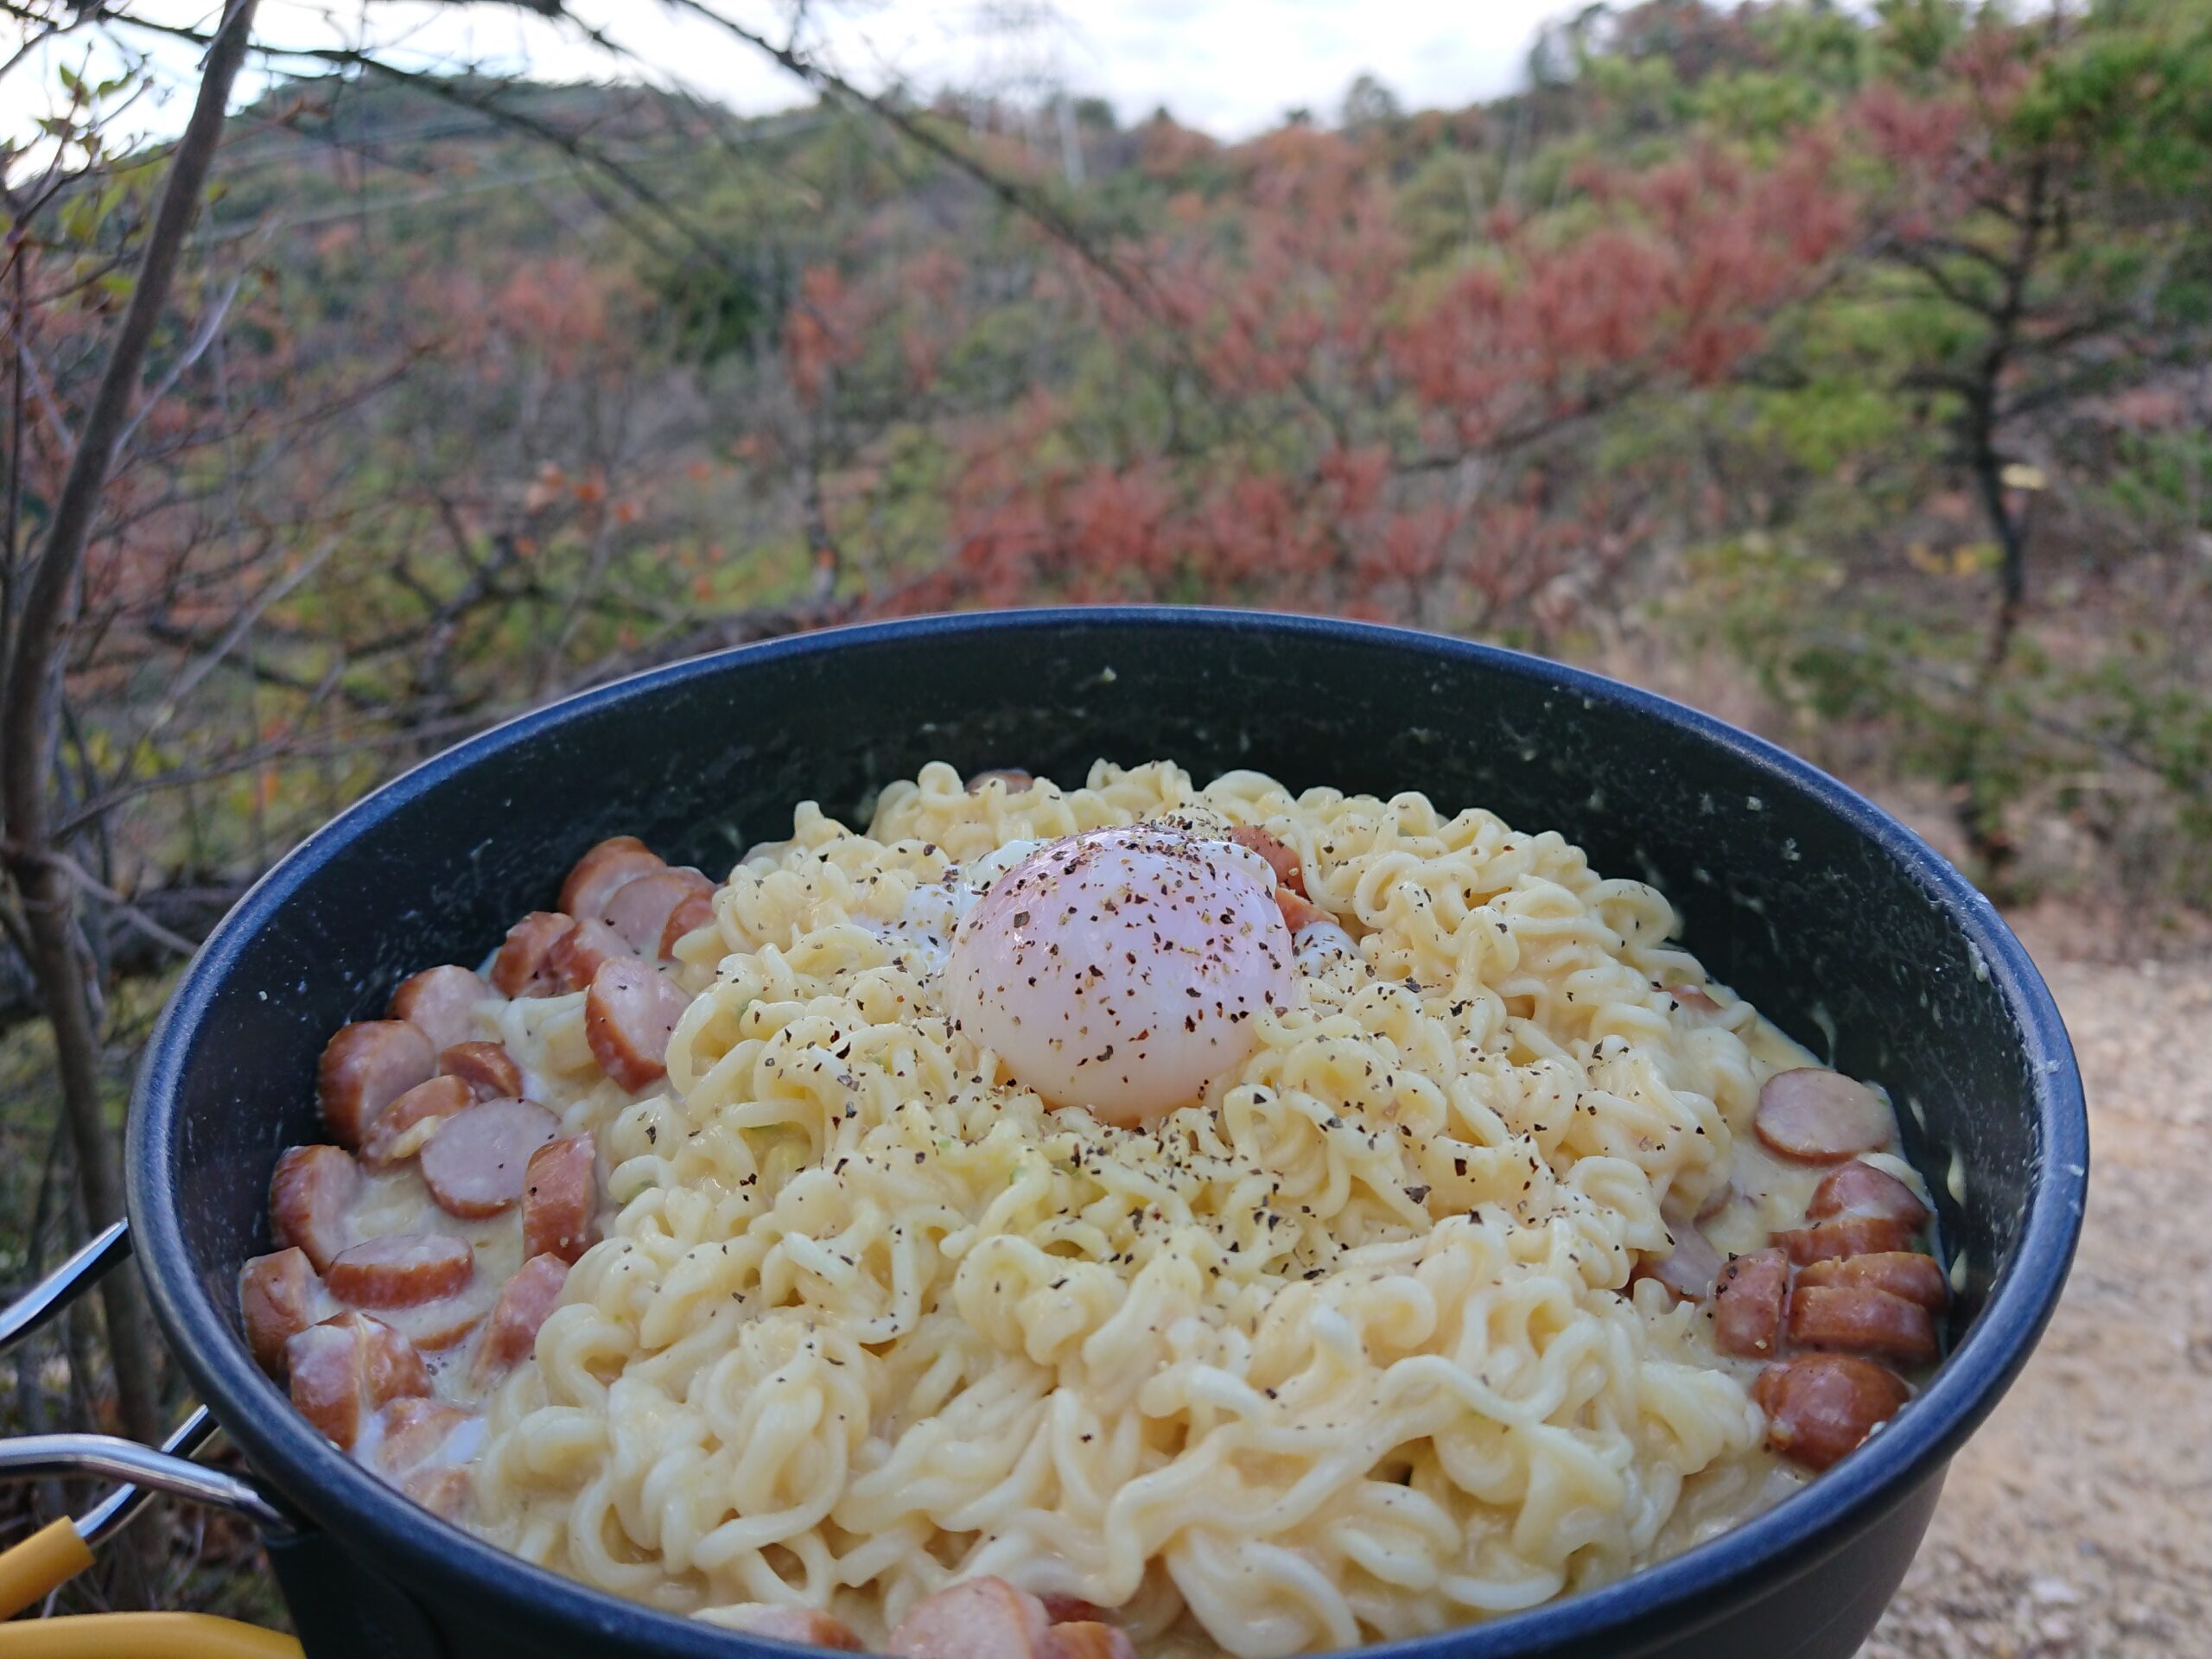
(2079, 1520)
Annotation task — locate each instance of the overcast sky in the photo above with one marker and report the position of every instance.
(1231, 66)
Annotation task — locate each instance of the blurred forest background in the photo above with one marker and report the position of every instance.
(1847, 372)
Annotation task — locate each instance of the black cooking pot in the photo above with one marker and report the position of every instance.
(1845, 929)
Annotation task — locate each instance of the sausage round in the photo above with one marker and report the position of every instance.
(364, 1068)
(441, 1003)
(980, 1618)
(640, 911)
(559, 1199)
(488, 1070)
(1747, 1305)
(596, 875)
(343, 1370)
(476, 1164)
(807, 1625)
(577, 955)
(1844, 1236)
(1862, 1320)
(1821, 1406)
(697, 911)
(1692, 1000)
(520, 969)
(308, 1196)
(1014, 778)
(402, 1270)
(440, 1488)
(400, 1130)
(1299, 913)
(628, 1014)
(1688, 1271)
(529, 1298)
(433, 1327)
(276, 1301)
(414, 1432)
(1818, 1116)
(1289, 873)
(1087, 1639)
(1908, 1273)
(1859, 1189)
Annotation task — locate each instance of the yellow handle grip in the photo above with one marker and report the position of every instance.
(41, 1564)
(143, 1636)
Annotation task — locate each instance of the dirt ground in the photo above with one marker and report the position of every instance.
(2079, 1520)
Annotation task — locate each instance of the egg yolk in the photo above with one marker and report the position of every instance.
(1122, 969)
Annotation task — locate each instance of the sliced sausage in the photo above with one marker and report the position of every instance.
(559, 1199)
(441, 1003)
(697, 911)
(1861, 1320)
(1821, 1406)
(1072, 1609)
(414, 1432)
(628, 1014)
(1844, 1236)
(434, 1327)
(1087, 1639)
(805, 1624)
(308, 1196)
(441, 1489)
(476, 1164)
(1688, 1270)
(980, 1618)
(575, 956)
(530, 1297)
(1747, 1305)
(402, 1270)
(520, 969)
(364, 1068)
(1818, 1116)
(1289, 873)
(1014, 778)
(1908, 1273)
(403, 1128)
(1299, 913)
(1859, 1189)
(488, 1070)
(639, 910)
(596, 875)
(345, 1369)
(1692, 1000)
(276, 1301)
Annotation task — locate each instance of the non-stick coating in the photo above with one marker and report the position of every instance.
(1843, 927)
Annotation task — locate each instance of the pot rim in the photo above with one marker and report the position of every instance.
(1786, 1541)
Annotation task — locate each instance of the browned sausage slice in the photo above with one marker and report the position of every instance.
(441, 1489)
(399, 1132)
(364, 1068)
(343, 1370)
(1688, 1271)
(1747, 1305)
(1289, 873)
(639, 910)
(1821, 1406)
(1908, 1273)
(600, 870)
(1014, 778)
(981, 1618)
(559, 1200)
(277, 1299)
(1862, 1321)
(577, 955)
(1844, 1236)
(1859, 1189)
(1299, 913)
(1087, 1639)
(488, 1070)
(441, 1003)
(435, 1326)
(520, 969)
(414, 1432)
(402, 1270)
(1818, 1116)
(697, 911)
(805, 1624)
(628, 1014)
(309, 1196)
(475, 1165)
(529, 1297)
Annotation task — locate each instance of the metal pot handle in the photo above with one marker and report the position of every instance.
(146, 1469)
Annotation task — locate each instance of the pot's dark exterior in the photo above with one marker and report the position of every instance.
(1840, 923)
